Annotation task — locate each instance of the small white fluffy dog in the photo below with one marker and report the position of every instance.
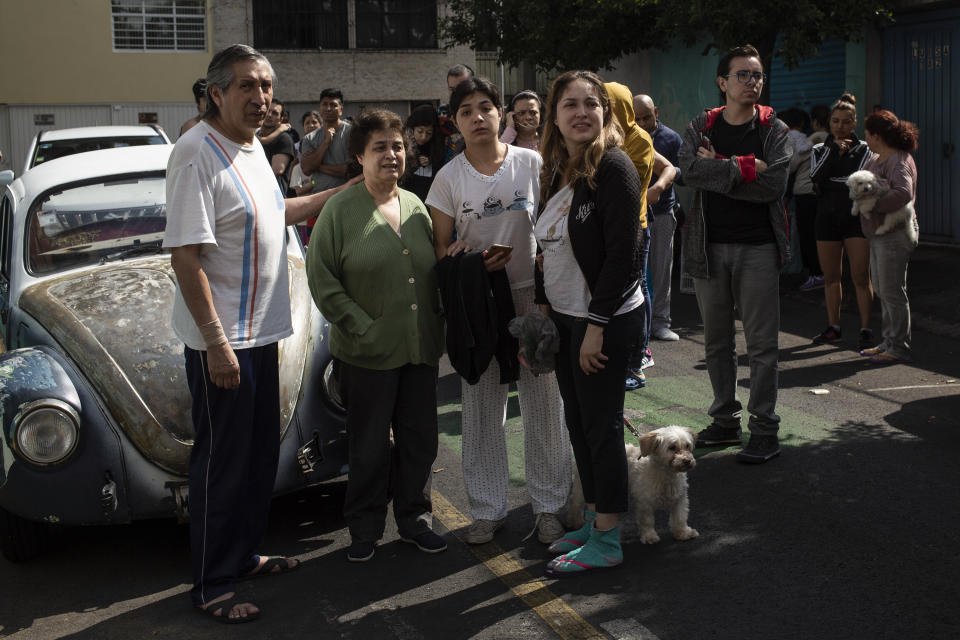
(865, 189)
(657, 472)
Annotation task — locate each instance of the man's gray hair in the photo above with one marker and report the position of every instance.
(459, 70)
(220, 71)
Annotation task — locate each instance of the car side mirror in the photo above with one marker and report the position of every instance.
(6, 177)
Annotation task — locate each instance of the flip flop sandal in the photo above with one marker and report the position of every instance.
(224, 607)
(268, 568)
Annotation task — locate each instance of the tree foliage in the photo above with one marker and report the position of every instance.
(593, 34)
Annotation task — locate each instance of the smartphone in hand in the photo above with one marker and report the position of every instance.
(499, 249)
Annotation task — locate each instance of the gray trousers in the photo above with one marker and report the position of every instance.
(889, 255)
(660, 264)
(743, 278)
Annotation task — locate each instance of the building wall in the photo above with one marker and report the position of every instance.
(632, 71)
(61, 52)
(367, 77)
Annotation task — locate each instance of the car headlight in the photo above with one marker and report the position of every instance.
(46, 431)
(331, 386)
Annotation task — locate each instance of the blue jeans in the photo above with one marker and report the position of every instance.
(645, 290)
(744, 278)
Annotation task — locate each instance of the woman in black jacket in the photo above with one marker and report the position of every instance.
(836, 229)
(588, 231)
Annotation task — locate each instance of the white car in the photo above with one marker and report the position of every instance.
(95, 423)
(57, 143)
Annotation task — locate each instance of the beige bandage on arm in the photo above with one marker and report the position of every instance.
(212, 334)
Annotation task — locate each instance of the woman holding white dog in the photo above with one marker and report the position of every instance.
(891, 140)
(589, 232)
(836, 229)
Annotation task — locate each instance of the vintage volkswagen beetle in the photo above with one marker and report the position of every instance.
(94, 407)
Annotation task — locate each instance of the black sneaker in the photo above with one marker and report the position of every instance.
(866, 339)
(361, 551)
(716, 435)
(759, 449)
(830, 334)
(427, 541)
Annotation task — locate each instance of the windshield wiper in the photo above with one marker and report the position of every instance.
(153, 246)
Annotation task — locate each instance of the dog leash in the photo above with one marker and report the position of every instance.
(631, 428)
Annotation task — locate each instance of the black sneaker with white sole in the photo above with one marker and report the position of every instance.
(427, 541)
(717, 436)
(759, 449)
(361, 550)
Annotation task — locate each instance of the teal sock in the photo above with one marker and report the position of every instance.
(601, 551)
(574, 539)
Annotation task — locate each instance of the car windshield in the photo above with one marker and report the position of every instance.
(87, 224)
(53, 149)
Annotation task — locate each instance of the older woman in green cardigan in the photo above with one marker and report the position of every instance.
(370, 267)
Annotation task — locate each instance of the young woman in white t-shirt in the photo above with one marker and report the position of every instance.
(589, 232)
(488, 194)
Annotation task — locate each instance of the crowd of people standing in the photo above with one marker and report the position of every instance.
(562, 210)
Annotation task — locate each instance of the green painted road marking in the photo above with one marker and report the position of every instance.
(681, 400)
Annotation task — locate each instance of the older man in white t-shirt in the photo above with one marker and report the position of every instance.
(226, 226)
(488, 194)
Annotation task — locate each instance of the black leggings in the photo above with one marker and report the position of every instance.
(806, 207)
(593, 405)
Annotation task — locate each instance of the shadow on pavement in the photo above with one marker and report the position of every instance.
(853, 536)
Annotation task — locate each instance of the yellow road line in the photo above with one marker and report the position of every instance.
(565, 621)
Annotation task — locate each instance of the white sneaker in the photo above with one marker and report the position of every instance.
(549, 528)
(665, 334)
(481, 531)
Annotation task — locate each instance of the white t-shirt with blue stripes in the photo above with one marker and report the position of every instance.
(224, 196)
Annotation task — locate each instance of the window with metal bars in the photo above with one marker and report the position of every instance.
(300, 24)
(159, 25)
(395, 24)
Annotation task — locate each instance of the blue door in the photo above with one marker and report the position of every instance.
(922, 84)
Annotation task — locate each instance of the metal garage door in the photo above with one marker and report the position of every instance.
(25, 121)
(816, 81)
(921, 84)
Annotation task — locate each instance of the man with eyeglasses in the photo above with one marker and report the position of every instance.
(737, 158)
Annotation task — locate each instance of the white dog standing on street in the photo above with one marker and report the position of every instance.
(865, 189)
(657, 473)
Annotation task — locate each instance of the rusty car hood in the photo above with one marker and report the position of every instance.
(114, 322)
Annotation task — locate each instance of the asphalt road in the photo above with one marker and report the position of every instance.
(850, 533)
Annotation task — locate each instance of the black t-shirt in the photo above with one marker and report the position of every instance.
(282, 144)
(730, 220)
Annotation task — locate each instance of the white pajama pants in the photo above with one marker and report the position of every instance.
(546, 443)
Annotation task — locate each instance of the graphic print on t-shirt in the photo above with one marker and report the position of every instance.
(493, 206)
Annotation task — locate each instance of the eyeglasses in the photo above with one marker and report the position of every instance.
(746, 76)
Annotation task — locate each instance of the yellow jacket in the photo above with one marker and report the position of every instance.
(636, 142)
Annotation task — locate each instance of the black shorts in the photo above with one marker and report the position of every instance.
(836, 226)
